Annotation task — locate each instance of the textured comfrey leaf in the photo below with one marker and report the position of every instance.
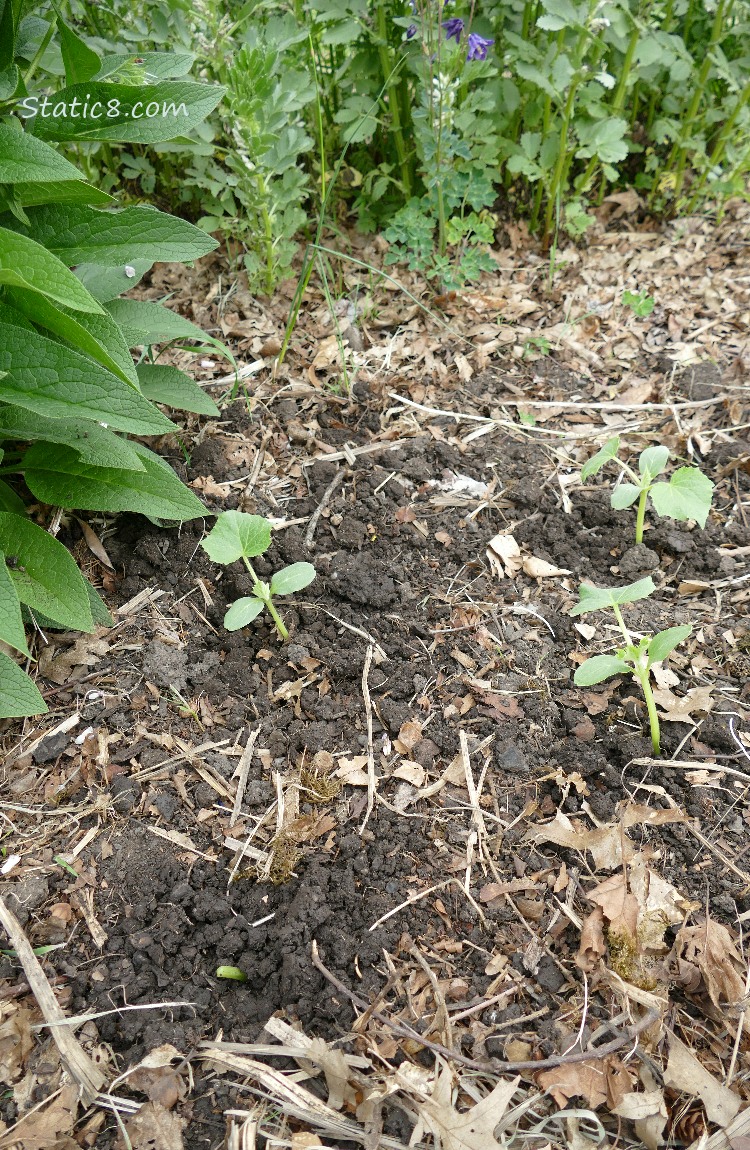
(106, 284)
(146, 114)
(292, 578)
(162, 65)
(665, 642)
(242, 612)
(24, 159)
(652, 461)
(688, 495)
(24, 263)
(603, 455)
(81, 62)
(598, 668)
(57, 475)
(60, 383)
(77, 233)
(95, 444)
(164, 384)
(143, 322)
(19, 695)
(234, 534)
(31, 195)
(11, 624)
(599, 598)
(45, 576)
(624, 495)
(95, 335)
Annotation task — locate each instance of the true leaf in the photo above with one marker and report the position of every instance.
(665, 642)
(57, 475)
(652, 461)
(81, 62)
(598, 668)
(242, 612)
(164, 384)
(46, 577)
(77, 233)
(19, 695)
(688, 495)
(143, 322)
(9, 501)
(23, 159)
(292, 578)
(53, 380)
(178, 105)
(27, 264)
(235, 534)
(106, 284)
(161, 65)
(598, 598)
(603, 455)
(95, 444)
(624, 495)
(31, 195)
(11, 624)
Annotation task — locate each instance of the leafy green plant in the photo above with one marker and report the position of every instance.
(70, 394)
(687, 495)
(237, 535)
(636, 659)
(640, 303)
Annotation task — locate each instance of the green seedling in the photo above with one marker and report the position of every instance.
(640, 303)
(236, 535)
(232, 972)
(634, 659)
(687, 495)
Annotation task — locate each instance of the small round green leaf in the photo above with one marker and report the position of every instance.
(242, 612)
(292, 578)
(236, 534)
(624, 495)
(652, 461)
(599, 668)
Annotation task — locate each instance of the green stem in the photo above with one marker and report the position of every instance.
(718, 148)
(388, 70)
(619, 94)
(40, 52)
(653, 716)
(266, 599)
(560, 164)
(641, 516)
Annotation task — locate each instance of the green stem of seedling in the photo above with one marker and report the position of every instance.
(643, 678)
(641, 516)
(266, 600)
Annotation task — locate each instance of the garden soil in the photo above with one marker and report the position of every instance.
(228, 800)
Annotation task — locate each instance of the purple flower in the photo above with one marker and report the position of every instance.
(478, 46)
(453, 28)
(411, 32)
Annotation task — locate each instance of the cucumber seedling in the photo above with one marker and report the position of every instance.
(687, 495)
(237, 535)
(634, 659)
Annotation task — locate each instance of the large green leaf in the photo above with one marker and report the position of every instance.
(23, 158)
(11, 624)
(19, 695)
(46, 576)
(53, 380)
(27, 264)
(81, 62)
(106, 283)
(143, 114)
(164, 384)
(77, 233)
(57, 475)
(146, 323)
(9, 501)
(688, 495)
(96, 335)
(234, 534)
(95, 444)
(152, 65)
(61, 192)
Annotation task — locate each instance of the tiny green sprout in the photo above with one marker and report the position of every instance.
(232, 972)
(634, 659)
(237, 535)
(641, 303)
(687, 495)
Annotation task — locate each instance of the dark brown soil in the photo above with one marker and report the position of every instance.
(463, 650)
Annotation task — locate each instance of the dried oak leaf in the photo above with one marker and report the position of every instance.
(592, 946)
(619, 906)
(599, 1082)
(153, 1128)
(685, 1073)
(462, 1130)
(711, 949)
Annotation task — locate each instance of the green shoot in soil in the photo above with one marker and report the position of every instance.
(634, 659)
(687, 495)
(236, 535)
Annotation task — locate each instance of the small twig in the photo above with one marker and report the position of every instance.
(497, 1065)
(312, 525)
(576, 405)
(243, 770)
(348, 626)
(370, 749)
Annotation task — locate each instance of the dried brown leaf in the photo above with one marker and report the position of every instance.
(504, 556)
(49, 1128)
(680, 710)
(711, 949)
(599, 1082)
(153, 1128)
(685, 1073)
(619, 906)
(592, 946)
